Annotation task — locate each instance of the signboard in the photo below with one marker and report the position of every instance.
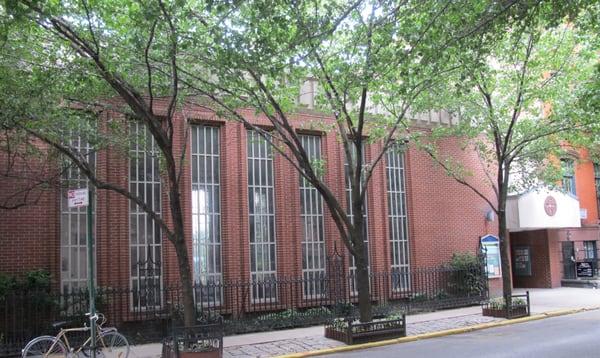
(77, 198)
(522, 264)
(491, 246)
(584, 269)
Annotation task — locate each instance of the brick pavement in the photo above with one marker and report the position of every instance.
(311, 343)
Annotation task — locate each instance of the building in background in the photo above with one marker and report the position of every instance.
(554, 234)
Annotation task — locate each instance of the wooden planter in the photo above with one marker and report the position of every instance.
(202, 341)
(516, 310)
(350, 332)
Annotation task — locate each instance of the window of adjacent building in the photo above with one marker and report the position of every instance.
(313, 236)
(597, 182)
(589, 250)
(568, 176)
(261, 206)
(397, 218)
(354, 288)
(145, 242)
(73, 223)
(206, 212)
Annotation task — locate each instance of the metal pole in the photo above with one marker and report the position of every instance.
(91, 290)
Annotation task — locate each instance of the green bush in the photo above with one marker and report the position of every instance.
(32, 281)
(7, 284)
(468, 277)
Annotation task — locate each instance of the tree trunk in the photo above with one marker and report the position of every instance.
(504, 254)
(362, 284)
(503, 176)
(361, 262)
(189, 310)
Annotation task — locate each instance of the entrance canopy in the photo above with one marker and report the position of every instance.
(542, 209)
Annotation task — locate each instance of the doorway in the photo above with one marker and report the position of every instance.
(568, 260)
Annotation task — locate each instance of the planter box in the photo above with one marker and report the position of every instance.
(517, 310)
(202, 341)
(349, 332)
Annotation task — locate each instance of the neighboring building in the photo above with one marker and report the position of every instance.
(555, 235)
(248, 213)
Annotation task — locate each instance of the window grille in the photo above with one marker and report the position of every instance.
(145, 242)
(261, 205)
(397, 218)
(353, 283)
(206, 213)
(313, 236)
(568, 180)
(73, 222)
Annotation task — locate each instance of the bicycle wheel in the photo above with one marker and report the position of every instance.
(112, 345)
(45, 346)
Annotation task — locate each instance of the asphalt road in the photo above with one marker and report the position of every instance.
(572, 336)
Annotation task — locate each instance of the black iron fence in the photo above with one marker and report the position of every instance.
(145, 314)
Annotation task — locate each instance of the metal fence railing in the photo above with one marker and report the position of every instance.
(146, 314)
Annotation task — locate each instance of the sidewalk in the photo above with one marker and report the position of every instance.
(269, 344)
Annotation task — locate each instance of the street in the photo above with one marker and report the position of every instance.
(576, 335)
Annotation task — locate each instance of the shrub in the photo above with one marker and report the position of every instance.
(33, 281)
(468, 277)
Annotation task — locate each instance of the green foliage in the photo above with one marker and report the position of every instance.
(36, 281)
(468, 276)
(8, 284)
(462, 261)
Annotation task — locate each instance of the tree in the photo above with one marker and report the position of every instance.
(85, 60)
(519, 110)
(371, 65)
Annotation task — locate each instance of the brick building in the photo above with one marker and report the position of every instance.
(248, 213)
(555, 234)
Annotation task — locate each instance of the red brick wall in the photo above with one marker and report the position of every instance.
(586, 188)
(29, 236)
(444, 216)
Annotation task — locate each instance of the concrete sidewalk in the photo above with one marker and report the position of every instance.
(267, 344)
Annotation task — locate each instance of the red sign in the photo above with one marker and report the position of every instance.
(550, 205)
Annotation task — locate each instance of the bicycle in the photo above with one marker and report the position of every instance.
(109, 342)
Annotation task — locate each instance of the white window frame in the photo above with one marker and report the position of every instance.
(206, 218)
(261, 216)
(144, 156)
(313, 230)
(398, 218)
(73, 243)
(348, 190)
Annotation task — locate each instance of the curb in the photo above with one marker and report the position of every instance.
(447, 332)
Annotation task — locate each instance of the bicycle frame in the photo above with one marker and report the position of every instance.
(62, 336)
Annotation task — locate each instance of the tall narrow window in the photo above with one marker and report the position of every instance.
(73, 223)
(568, 180)
(397, 217)
(313, 236)
(353, 284)
(597, 181)
(144, 233)
(263, 260)
(206, 212)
